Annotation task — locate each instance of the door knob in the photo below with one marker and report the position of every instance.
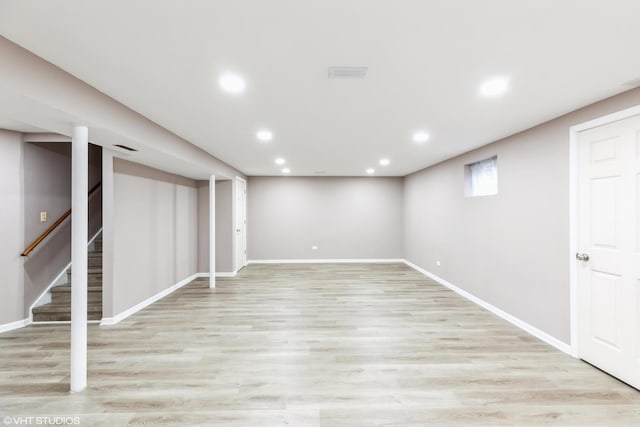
(582, 257)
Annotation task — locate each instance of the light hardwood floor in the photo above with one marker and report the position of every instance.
(309, 345)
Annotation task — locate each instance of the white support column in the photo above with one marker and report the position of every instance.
(212, 231)
(79, 231)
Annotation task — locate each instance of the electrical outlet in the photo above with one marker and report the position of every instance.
(314, 248)
(438, 263)
(43, 217)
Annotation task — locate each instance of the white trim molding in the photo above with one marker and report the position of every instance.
(15, 325)
(55, 282)
(212, 231)
(495, 310)
(220, 274)
(226, 274)
(327, 261)
(108, 321)
(62, 322)
(573, 210)
(235, 224)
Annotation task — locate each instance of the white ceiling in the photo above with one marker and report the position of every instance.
(426, 59)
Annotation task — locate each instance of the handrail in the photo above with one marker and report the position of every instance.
(55, 225)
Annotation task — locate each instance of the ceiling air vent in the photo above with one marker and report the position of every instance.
(632, 83)
(124, 147)
(347, 72)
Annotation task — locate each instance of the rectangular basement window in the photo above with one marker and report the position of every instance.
(481, 178)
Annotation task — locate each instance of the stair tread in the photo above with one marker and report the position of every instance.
(59, 309)
(67, 288)
(62, 317)
(53, 308)
(95, 270)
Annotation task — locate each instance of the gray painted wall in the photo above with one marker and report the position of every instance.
(224, 226)
(47, 187)
(38, 84)
(345, 217)
(108, 224)
(29, 77)
(35, 177)
(155, 242)
(511, 250)
(47, 183)
(11, 227)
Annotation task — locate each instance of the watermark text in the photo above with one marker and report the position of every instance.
(41, 420)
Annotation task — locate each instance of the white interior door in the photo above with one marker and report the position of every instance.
(609, 245)
(241, 223)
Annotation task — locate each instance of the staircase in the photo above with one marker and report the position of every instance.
(59, 309)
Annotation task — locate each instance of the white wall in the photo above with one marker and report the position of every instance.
(345, 217)
(155, 242)
(510, 250)
(11, 227)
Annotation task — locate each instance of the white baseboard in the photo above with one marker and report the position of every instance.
(108, 321)
(324, 261)
(566, 348)
(42, 299)
(15, 325)
(220, 274)
(226, 274)
(63, 322)
(45, 296)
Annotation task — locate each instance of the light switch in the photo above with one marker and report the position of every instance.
(314, 248)
(43, 217)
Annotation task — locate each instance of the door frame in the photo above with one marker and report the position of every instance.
(574, 177)
(236, 265)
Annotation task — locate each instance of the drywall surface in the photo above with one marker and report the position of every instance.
(154, 234)
(11, 227)
(511, 249)
(50, 98)
(344, 217)
(224, 227)
(47, 188)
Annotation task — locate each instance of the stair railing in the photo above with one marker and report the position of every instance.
(55, 225)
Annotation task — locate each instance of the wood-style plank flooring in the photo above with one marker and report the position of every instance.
(311, 345)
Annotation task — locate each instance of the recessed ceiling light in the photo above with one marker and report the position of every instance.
(371, 171)
(286, 170)
(232, 83)
(264, 135)
(494, 87)
(420, 137)
(384, 162)
(280, 161)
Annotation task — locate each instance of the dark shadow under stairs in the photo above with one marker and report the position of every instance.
(59, 309)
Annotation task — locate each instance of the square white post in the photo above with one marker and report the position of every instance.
(212, 231)
(79, 231)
